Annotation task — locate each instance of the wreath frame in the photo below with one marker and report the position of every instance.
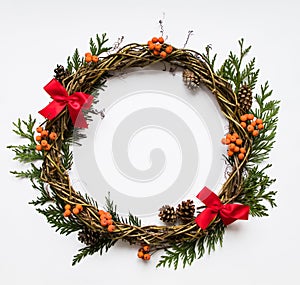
(245, 182)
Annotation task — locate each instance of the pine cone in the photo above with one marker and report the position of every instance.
(88, 236)
(245, 98)
(185, 211)
(190, 79)
(61, 73)
(167, 214)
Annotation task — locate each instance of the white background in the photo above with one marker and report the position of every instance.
(35, 35)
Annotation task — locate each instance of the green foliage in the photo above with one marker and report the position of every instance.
(67, 156)
(97, 47)
(209, 60)
(112, 209)
(189, 251)
(32, 173)
(235, 72)
(255, 191)
(25, 153)
(75, 62)
(268, 111)
(104, 244)
(56, 219)
(45, 196)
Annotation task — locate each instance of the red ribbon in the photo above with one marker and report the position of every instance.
(61, 99)
(228, 212)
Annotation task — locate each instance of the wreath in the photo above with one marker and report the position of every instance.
(189, 231)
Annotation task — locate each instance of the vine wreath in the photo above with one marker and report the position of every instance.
(189, 231)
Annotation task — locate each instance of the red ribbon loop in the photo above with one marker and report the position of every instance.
(228, 212)
(75, 102)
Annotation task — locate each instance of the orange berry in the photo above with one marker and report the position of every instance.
(230, 153)
(244, 118)
(79, 207)
(236, 149)
(150, 43)
(244, 125)
(239, 141)
(38, 147)
(169, 49)
(253, 123)
(44, 133)
(147, 256)
(158, 47)
(242, 150)
(146, 248)
(47, 147)
(87, 54)
(156, 52)
(108, 216)
(53, 136)
(95, 58)
(67, 207)
(163, 54)
(259, 121)
(235, 135)
(38, 138)
(233, 139)
(255, 133)
(223, 140)
(110, 222)
(88, 59)
(241, 156)
(227, 141)
(152, 46)
(154, 40)
(140, 254)
(111, 228)
(101, 212)
(67, 213)
(228, 136)
(39, 129)
(231, 146)
(250, 116)
(75, 211)
(260, 126)
(103, 222)
(250, 128)
(161, 40)
(44, 143)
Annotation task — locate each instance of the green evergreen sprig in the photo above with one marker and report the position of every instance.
(25, 153)
(234, 71)
(255, 191)
(112, 209)
(103, 245)
(189, 251)
(97, 47)
(55, 218)
(268, 111)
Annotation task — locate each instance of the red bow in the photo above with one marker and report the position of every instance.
(61, 99)
(228, 212)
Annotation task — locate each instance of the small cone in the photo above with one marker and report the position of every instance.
(190, 79)
(88, 236)
(60, 73)
(245, 98)
(167, 214)
(185, 211)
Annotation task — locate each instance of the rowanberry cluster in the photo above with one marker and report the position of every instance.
(43, 139)
(157, 47)
(144, 252)
(76, 210)
(251, 124)
(106, 220)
